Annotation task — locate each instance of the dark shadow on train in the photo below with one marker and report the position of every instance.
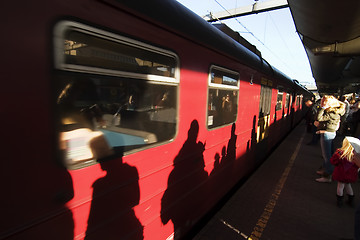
(86, 101)
(190, 187)
(114, 197)
(36, 201)
(265, 136)
(251, 144)
(223, 181)
(262, 135)
(184, 198)
(224, 165)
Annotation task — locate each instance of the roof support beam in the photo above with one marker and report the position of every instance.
(351, 47)
(257, 7)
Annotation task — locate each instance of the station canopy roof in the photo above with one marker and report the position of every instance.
(330, 32)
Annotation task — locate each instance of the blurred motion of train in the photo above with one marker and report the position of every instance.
(129, 120)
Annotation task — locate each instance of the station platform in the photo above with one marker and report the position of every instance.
(281, 200)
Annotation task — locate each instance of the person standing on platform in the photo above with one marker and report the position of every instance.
(355, 142)
(343, 123)
(345, 171)
(328, 118)
(310, 117)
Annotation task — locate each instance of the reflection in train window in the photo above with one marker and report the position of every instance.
(113, 94)
(287, 103)
(265, 101)
(264, 113)
(298, 100)
(222, 97)
(279, 101)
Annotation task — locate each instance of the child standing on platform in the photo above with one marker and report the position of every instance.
(346, 171)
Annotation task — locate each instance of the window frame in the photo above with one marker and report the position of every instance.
(60, 63)
(287, 100)
(278, 108)
(301, 100)
(298, 100)
(59, 35)
(265, 100)
(219, 86)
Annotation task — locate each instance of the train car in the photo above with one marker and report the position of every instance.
(128, 120)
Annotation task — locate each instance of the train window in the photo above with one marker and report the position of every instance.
(265, 101)
(264, 113)
(113, 95)
(291, 99)
(279, 101)
(298, 100)
(287, 103)
(222, 97)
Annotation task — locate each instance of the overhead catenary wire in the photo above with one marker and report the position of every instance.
(261, 42)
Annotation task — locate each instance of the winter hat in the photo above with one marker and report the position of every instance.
(355, 143)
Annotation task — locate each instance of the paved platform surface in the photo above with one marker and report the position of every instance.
(282, 200)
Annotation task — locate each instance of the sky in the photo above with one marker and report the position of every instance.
(273, 33)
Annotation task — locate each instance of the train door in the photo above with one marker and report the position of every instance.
(265, 107)
(287, 104)
(298, 108)
(279, 105)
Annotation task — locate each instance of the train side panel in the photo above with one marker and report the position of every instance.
(155, 192)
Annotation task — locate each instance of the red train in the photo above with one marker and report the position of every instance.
(128, 120)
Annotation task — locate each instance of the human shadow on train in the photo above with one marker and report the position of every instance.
(251, 144)
(186, 193)
(216, 163)
(114, 197)
(277, 128)
(231, 149)
(292, 115)
(225, 168)
(275, 116)
(219, 161)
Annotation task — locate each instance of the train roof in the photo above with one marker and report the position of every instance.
(173, 16)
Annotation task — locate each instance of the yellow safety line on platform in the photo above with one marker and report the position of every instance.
(235, 230)
(265, 216)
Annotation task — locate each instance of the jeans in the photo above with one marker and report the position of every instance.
(327, 149)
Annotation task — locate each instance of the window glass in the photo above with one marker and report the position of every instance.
(279, 101)
(287, 103)
(265, 101)
(222, 97)
(298, 100)
(264, 113)
(82, 49)
(104, 113)
(291, 102)
(225, 78)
